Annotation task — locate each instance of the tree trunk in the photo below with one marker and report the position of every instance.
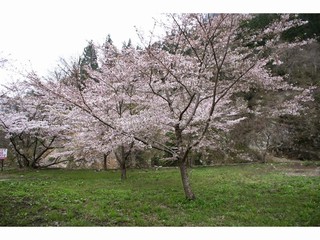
(264, 157)
(34, 165)
(123, 171)
(105, 167)
(183, 162)
(122, 162)
(185, 181)
(19, 160)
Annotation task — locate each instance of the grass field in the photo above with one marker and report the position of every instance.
(283, 194)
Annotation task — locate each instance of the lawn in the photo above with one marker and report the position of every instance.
(283, 194)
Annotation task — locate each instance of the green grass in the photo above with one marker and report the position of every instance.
(250, 195)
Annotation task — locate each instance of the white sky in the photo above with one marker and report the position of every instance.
(34, 34)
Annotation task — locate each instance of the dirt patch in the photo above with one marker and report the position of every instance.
(274, 159)
(300, 170)
(295, 167)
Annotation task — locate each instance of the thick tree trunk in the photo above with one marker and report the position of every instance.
(34, 164)
(185, 181)
(183, 162)
(122, 162)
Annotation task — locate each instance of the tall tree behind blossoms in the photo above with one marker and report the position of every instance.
(89, 60)
(183, 87)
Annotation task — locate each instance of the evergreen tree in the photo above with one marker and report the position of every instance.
(87, 60)
(127, 45)
(89, 57)
(109, 40)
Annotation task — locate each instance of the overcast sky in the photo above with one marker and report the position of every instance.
(34, 34)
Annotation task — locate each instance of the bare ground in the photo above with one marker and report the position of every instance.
(297, 167)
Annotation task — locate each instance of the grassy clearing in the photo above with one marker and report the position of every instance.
(250, 195)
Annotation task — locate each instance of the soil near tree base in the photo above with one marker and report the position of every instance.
(295, 167)
(302, 170)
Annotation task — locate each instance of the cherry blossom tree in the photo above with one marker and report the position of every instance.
(195, 73)
(32, 126)
(184, 88)
(104, 110)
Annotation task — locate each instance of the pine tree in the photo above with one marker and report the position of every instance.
(87, 60)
